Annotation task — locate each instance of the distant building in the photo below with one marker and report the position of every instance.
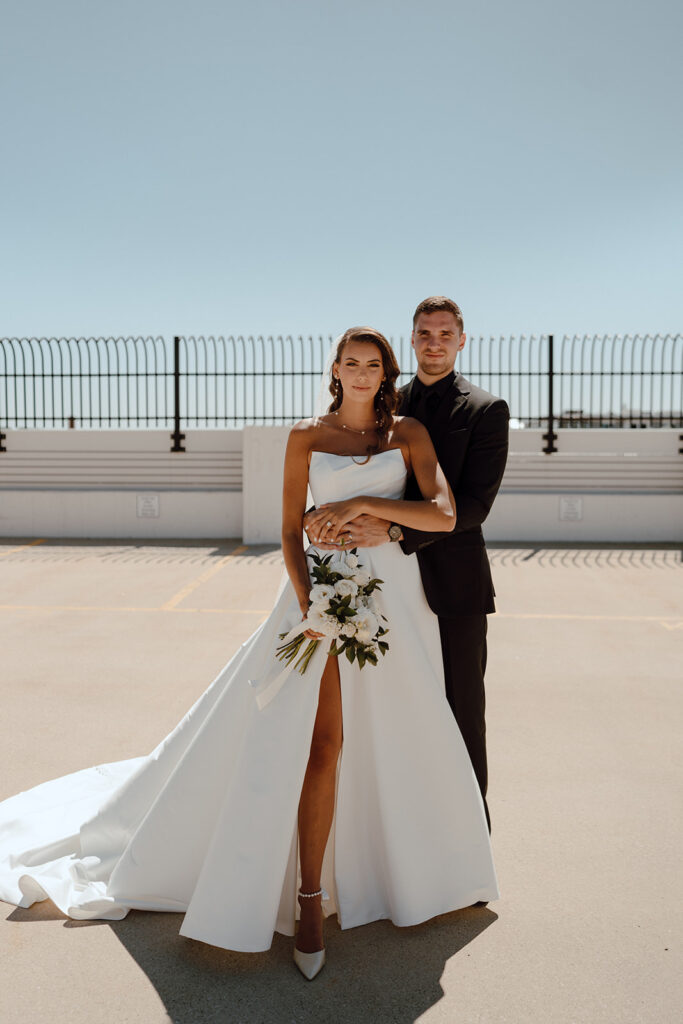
(632, 418)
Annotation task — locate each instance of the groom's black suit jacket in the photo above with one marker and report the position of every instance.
(470, 434)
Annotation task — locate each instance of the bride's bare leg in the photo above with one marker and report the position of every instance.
(316, 806)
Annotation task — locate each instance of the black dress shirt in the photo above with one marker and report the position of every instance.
(426, 398)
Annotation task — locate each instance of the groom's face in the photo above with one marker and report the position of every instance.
(437, 340)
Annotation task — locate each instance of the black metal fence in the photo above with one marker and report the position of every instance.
(589, 381)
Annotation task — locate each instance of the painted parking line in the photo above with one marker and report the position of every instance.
(126, 608)
(191, 587)
(676, 619)
(22, 547)
(670, 622)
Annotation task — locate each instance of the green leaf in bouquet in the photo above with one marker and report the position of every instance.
(383, 646)
(374, 584)
(361, 657)
(350, 654)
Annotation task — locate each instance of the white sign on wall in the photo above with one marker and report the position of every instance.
(571, 509)
(147, 506)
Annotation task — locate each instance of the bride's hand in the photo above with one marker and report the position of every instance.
(362, 532)
(344, 537)
(326, 523)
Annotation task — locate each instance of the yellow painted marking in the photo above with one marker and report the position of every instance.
(669, 622)
(22, 547)
(186, 591)
(589, 618)
(223, 611)
(125, 608)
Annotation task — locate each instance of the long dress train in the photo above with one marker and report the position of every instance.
(207, 823)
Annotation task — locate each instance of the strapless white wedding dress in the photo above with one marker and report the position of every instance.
(207, 823)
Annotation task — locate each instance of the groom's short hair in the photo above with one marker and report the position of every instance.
(440, 304)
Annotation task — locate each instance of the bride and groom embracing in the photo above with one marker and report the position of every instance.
(286, 794)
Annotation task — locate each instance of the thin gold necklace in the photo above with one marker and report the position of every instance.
(355, 430)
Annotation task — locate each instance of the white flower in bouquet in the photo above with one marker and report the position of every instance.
(338, 564)
(352, 560)
(348, 629)
(319, 621)
(366, 624)
(346, 588)
(361, 577)
(321, 593)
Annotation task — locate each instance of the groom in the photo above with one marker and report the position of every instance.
(469, 430)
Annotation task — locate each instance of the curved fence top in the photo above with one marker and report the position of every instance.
(230, 381)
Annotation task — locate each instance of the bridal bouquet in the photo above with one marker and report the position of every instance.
(343, 609)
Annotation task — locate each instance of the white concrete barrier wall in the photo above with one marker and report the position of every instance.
(263, 456)
(142, 513)
(121, 483)
(601, 485)
(576, 516)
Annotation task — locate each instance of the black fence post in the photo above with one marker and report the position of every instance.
(176, 436)
(3, 437)
(551, 436)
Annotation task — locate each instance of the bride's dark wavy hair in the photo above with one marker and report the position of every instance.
(387, 398)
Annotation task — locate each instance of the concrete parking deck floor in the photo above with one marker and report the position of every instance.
(106, 644)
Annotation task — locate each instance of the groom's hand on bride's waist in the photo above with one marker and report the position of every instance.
(362, 532)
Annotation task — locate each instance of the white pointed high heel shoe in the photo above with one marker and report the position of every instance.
(310, 964)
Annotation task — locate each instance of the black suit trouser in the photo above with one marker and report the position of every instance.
(463, 645)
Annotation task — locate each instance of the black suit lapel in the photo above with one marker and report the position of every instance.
(450, 405)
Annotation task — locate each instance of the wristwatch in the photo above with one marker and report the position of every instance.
(395, 531)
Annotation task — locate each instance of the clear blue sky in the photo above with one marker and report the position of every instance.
(273, 167)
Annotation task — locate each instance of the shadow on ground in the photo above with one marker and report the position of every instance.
(376, 973)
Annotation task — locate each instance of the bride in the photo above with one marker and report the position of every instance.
(352, 786)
